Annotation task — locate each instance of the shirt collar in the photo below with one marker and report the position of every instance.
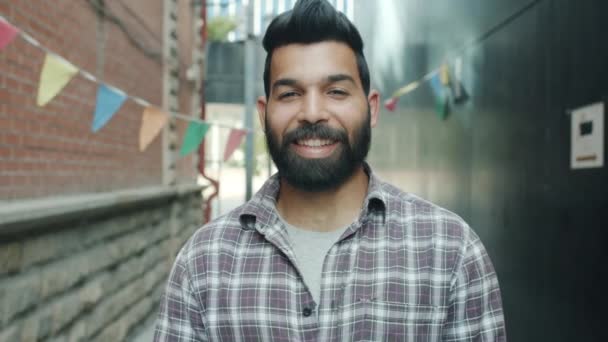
(260, 211)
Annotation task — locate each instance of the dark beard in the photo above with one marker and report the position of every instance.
(322, 174)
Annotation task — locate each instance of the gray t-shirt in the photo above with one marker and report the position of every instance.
(310, 248)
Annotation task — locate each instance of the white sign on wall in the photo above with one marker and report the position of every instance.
(587, 137)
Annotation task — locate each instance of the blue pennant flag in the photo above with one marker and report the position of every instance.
(109, 101)
(441, 95)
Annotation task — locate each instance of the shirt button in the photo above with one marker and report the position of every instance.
(307, 312)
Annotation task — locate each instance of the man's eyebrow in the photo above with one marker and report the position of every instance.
(339, 78)
(290, 82)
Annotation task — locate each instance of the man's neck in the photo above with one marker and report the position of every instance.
(324, 211)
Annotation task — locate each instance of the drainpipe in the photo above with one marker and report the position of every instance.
(201, 150)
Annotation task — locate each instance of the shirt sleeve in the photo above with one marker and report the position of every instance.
(180, 315)
(475, 311)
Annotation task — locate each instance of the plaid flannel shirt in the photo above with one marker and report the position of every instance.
(405, 270)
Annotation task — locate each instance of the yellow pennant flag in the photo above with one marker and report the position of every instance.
(152, 122)
(55, 75)
(444, 74)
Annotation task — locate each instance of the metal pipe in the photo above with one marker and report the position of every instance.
(250, 69)
(201, 150)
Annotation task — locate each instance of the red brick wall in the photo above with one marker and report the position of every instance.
(51, 150)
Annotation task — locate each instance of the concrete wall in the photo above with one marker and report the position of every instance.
(90, 268)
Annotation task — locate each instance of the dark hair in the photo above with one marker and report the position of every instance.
(313, 21)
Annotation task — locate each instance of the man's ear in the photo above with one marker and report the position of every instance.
(261, 104)
(374, 106)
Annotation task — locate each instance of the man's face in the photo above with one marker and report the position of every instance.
(317, 118)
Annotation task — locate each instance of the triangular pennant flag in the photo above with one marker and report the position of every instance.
(109, 101)
(391, 104)
(195, 133)
(234, 140)
(152, 122)
(444, 74)
(7, 33)
(442, 108)
(441, 96)
(459, 93)
(55, 75)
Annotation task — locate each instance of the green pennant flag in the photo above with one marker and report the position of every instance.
(194, 136)
(442, 99)
(442, 106)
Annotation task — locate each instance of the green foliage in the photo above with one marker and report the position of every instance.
(218, 28)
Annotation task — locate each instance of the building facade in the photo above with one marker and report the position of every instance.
(264, 12)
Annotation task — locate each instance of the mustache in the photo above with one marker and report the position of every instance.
(314, 131)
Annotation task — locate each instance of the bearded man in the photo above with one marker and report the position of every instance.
(326, 251)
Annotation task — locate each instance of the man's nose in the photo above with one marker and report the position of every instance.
(313, 108)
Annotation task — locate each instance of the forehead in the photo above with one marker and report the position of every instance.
(310, 63)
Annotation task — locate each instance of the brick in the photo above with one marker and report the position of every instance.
(59, 339)
(94, 291)
(78, 333)
(117, 331)
(64, 310)
(49, 247)
(64, 273)
(18, 294)
(11, 139)
(110, 228)
(31, 332)
(4, 8)
(60, 276)
(6, 153)
(157, 274)
(126, 297)
(10, 333)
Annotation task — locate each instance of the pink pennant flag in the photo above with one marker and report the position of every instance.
(7, 33)
(234, 140)
(391, 104)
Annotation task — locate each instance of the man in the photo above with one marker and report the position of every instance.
(326, 251)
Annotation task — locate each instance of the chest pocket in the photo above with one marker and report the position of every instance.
(392, 321)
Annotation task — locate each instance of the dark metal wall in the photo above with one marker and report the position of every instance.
(225, 66)
(501, 160)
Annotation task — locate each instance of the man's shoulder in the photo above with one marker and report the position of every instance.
(421, 216)
(222, 231)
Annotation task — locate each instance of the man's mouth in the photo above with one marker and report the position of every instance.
(315, 148)
(315, 142)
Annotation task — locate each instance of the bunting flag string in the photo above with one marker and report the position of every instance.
(57, 72)
(454, 86)
(391, 103)
(445, 86)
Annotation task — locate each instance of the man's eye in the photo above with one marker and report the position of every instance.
(287, 95)
(338, 92)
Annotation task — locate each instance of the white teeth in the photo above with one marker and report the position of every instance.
(314, 142)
